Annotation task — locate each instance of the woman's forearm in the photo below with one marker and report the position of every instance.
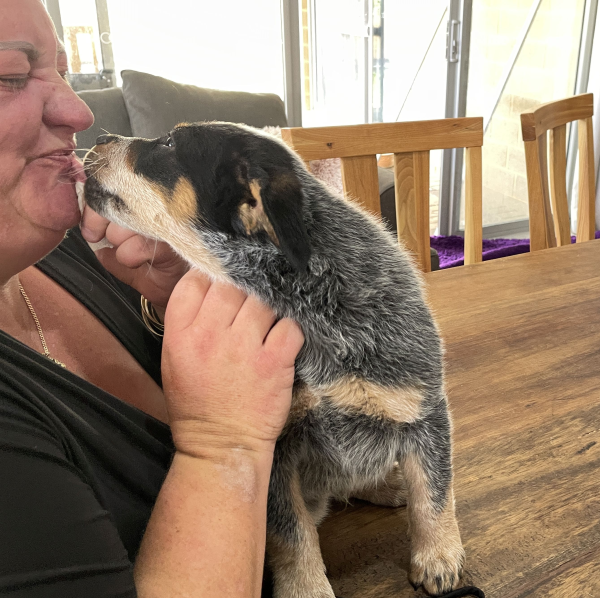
(206, 535)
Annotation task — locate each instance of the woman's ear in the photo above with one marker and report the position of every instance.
(276, 208)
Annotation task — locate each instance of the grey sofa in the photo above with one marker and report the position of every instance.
(149, 106)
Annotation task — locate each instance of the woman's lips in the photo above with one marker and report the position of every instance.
(77, 169)
(62, 158)
(67, 162)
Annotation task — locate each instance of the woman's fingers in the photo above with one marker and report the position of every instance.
(186, 301)
(254, 320)
(117, 235)
(93, 226)
(220, 307)
(135, 251)
(284, 342)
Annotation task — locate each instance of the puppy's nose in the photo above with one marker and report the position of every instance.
(102, 139)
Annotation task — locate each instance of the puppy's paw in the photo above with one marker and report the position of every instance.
(437, 571)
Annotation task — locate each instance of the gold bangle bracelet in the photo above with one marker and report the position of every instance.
(150, 317)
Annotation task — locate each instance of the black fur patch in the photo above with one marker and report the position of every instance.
(155, 161)
(221, 160)
(99, 199)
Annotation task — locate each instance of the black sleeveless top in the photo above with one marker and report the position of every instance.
(80, 469)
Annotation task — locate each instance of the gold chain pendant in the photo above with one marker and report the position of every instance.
(39, 328)
(60, 363)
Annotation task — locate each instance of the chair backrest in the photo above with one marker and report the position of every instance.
(410, 142)
(552, 118)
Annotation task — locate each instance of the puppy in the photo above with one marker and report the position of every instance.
(369, 414)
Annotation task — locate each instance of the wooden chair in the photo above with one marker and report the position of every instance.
(553, 118)
(410, 142)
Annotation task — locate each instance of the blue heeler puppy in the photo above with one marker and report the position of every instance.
(369, 413)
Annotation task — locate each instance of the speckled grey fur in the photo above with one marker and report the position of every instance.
(362, 311)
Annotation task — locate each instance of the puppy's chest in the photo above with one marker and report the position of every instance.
(352, 396)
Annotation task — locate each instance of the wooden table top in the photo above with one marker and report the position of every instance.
(522, 338)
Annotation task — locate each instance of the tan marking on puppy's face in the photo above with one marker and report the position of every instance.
(401, 405)
(437, 554)
(182, 203)
(147, 207)
(253, 215)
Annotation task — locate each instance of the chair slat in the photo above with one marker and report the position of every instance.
(406, 211)
(361, 181)
(384, 138)
(586, 212)
(558, 185)
(537, 217)
(543, 157)
(473, 206)
(553, 114)
(421, 174)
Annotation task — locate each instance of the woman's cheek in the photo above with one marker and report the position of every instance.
(20, 125)
(11, 171)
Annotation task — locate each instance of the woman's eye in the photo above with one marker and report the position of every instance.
(13, 83)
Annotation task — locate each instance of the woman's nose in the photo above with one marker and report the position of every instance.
(65, 108)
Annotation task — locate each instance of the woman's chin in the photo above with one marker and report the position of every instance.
(47, 195)
(64, 210)
(56, 209)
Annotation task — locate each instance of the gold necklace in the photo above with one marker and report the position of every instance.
(39, 328)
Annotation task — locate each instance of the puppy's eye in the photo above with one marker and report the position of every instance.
(168, 141)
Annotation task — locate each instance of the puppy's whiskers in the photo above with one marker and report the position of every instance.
(151, 262)
(85, 149)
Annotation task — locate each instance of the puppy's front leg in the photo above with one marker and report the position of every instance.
(293, 546)
(437, 555)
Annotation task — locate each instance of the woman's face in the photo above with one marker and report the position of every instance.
(39, 116)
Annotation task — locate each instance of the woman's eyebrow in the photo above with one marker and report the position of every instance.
(30, 50)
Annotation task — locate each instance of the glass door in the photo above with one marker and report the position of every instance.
(337, 62)
(414, 73)
(523, 53)
(374, 60)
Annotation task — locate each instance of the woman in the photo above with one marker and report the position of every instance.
(112, 484)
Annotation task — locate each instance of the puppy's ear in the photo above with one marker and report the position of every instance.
(277, 210)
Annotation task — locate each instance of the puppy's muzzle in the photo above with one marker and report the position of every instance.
(102, 139)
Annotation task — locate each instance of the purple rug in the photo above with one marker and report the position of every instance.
(451, 249)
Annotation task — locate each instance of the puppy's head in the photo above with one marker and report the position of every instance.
(222, 177)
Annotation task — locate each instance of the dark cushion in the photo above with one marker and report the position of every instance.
(110, 114)
(387, 196)
(155, 105)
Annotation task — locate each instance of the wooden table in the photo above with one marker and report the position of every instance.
(523, 372)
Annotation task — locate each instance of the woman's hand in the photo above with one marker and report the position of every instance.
(151, 267)
(228, 368)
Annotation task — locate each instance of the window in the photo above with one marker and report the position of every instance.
(231, 44)
(503, 85)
